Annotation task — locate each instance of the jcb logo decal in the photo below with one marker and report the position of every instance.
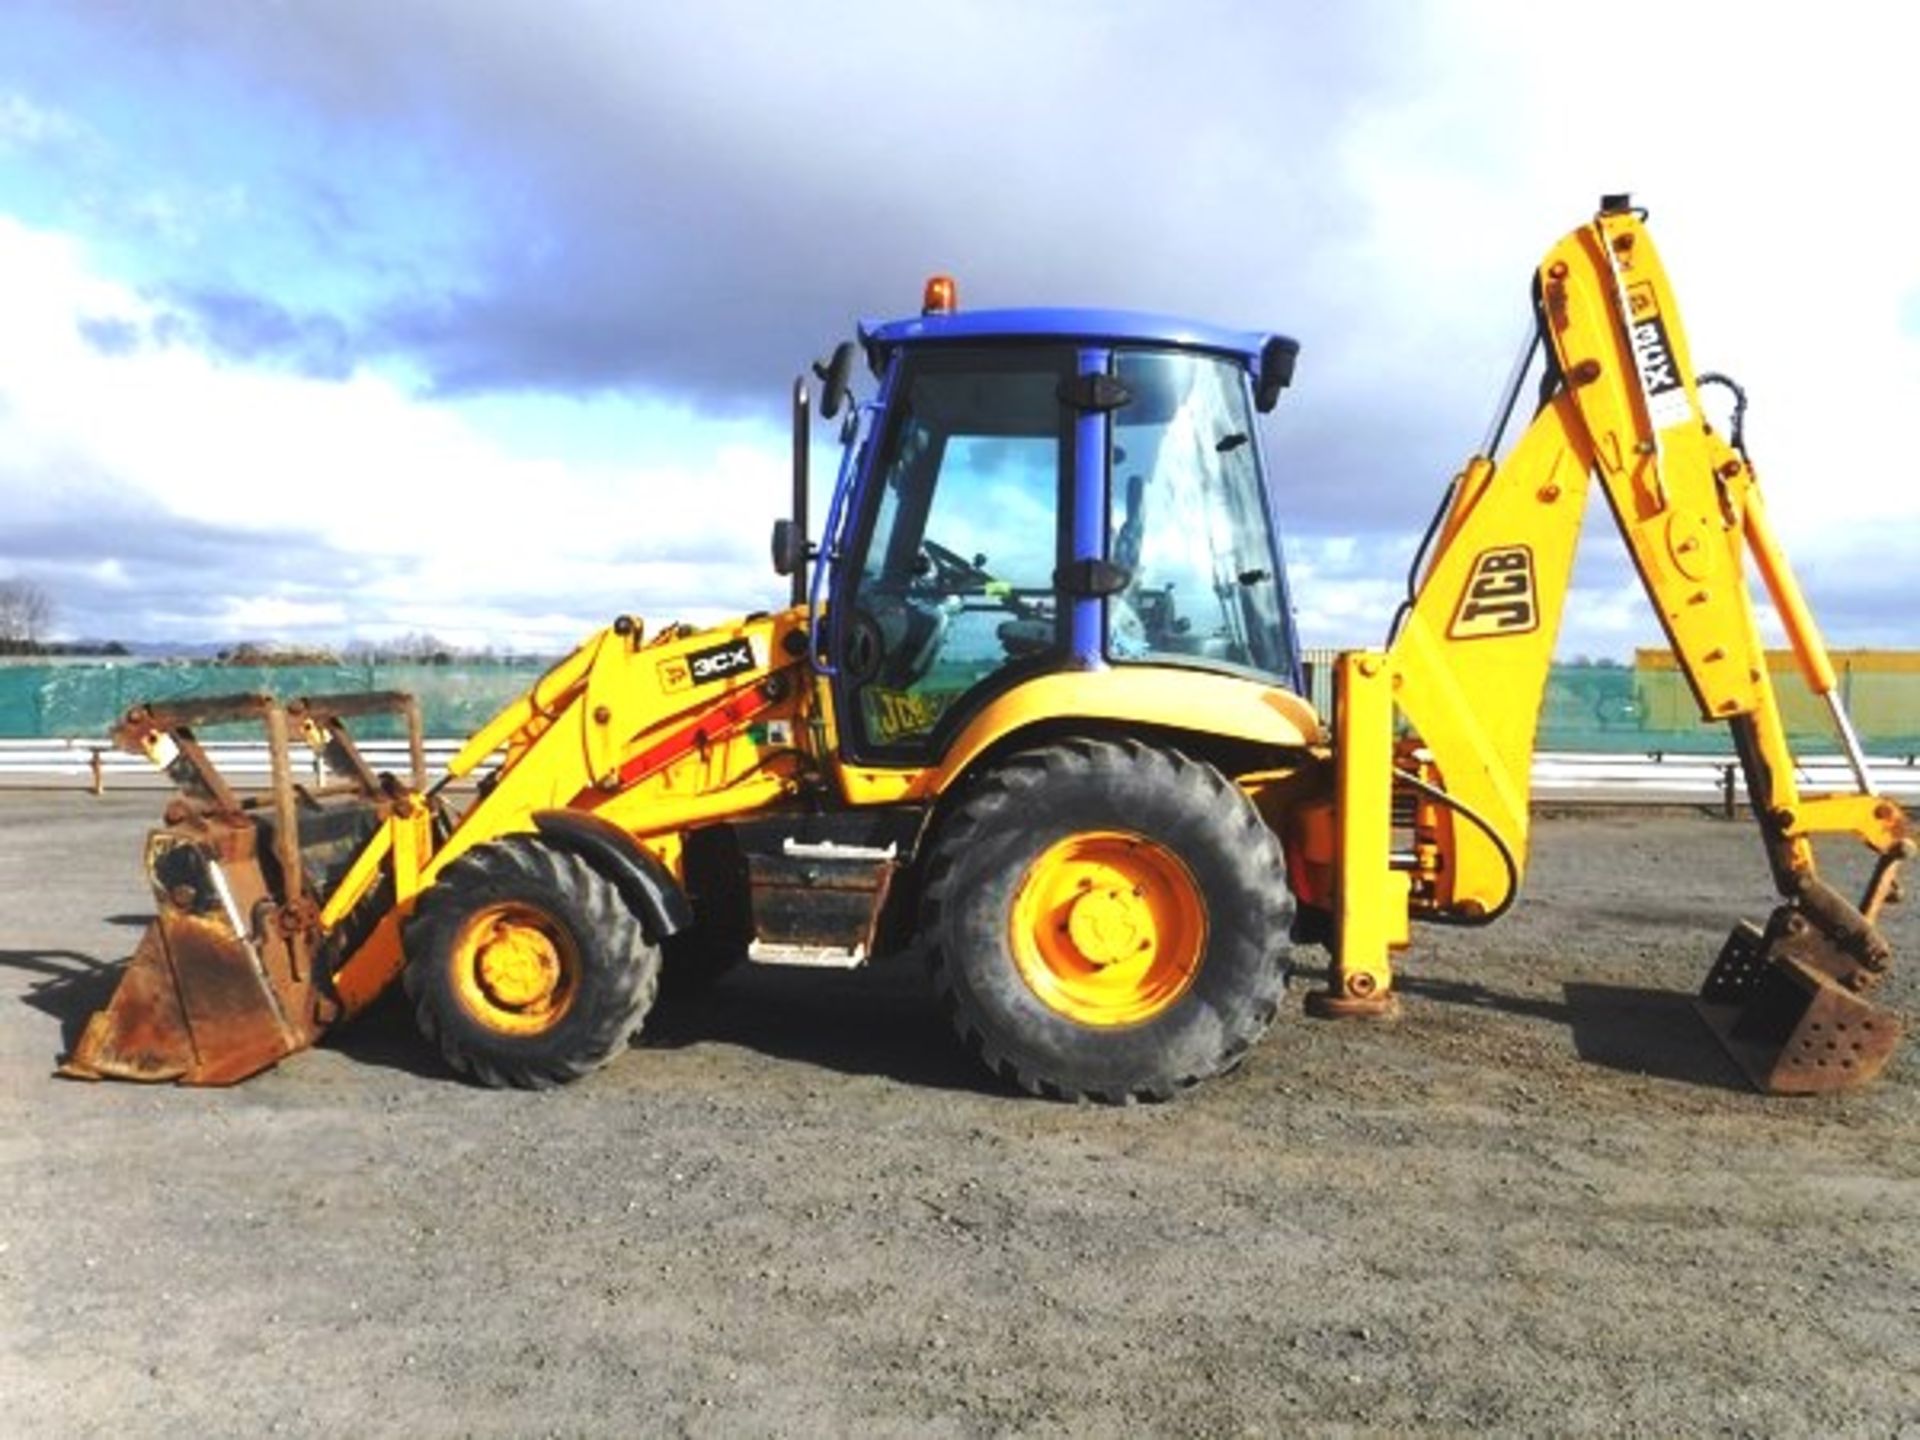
(1499, 598)
(674, 676)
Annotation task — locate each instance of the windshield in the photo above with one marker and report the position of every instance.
(1188, 520)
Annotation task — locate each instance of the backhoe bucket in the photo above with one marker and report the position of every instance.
(1792, 1027)
(232, 976)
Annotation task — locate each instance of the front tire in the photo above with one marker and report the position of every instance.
(1107, 921)
(526, 966)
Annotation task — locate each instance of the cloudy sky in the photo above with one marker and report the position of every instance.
(337, 319)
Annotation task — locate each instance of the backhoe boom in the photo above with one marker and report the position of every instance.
(1468, 667)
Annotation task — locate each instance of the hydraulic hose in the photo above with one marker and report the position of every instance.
(1494, 838)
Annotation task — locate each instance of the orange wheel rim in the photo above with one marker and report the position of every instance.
(1108, 928)
(514, 969)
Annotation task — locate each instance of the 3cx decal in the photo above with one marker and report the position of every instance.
(1667, 402)
(720, 662)
(704, 667)
(1500, 596)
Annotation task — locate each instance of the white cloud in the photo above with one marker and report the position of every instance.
(450, 532)
(25, 125)
(1401, 226)
(1767, 146)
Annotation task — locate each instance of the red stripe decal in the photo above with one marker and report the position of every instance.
(715, 724)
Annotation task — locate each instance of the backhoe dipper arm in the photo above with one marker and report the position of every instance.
(1468, 667)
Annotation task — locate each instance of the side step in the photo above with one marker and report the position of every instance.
(811, 957)
(817, 903)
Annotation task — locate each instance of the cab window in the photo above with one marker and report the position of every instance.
(1188, 521)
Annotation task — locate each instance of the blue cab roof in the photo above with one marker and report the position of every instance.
(1050, 323)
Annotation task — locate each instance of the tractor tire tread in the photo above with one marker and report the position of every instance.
(1247, 849)
(618, 990)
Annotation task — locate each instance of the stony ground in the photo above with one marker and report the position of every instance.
(1540, 1203)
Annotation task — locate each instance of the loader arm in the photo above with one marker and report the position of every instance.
(639, 737)
(1467, 668)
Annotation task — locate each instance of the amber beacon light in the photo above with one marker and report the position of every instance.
(941, 297)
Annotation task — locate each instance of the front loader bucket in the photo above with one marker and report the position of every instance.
(216, 991)
(233, 975)
(195, 1006)
(1791, 1027)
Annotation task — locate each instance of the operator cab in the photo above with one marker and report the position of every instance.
(1034, 491)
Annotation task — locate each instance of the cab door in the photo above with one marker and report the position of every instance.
(947, 595)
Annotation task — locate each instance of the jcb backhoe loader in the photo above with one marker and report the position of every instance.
(1034, 712)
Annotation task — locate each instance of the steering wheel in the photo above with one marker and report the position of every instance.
(952, 571)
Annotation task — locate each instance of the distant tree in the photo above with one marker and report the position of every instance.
(251, 652)
(417, 647)
(25, 612)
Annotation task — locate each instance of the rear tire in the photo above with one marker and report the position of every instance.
(526, 966)
(1107, 921)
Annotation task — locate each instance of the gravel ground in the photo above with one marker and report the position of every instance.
(1542, 1202)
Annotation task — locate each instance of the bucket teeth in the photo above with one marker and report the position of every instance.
(1791, 1026)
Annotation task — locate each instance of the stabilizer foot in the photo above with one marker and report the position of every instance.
(1327, 1005)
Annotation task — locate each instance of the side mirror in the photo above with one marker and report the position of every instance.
(834, 378)
(789, 547)
(1276, 371)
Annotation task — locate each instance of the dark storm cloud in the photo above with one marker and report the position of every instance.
(252, 330)
(699, 199)
(120, 571)
(231, 325)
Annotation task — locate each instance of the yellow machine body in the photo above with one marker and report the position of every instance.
(631, 749)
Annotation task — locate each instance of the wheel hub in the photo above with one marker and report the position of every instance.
(518, 967)
(1110, 925)
(515, 970)
(1108, 928)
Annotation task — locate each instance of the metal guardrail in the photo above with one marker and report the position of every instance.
(52, 764)
(1658, 778)
(1559, 778)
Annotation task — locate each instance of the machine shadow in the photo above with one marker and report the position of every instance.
(879, 1020)
(1648, 1032)
(385, 1037)
(882, 1021)
(1619, 1027)
(72, 986)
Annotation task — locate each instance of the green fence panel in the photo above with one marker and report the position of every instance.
(1617, 708)
(67, 700)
